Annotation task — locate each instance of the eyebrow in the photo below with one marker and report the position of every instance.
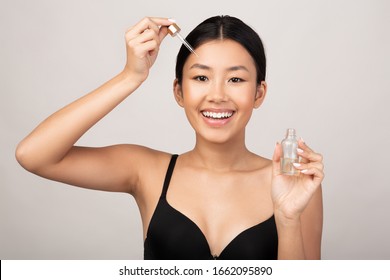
(233, 68)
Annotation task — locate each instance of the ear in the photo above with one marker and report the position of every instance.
(177, 92)
(261, 92)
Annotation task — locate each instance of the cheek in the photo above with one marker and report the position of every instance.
(244, 97)
(193, 93)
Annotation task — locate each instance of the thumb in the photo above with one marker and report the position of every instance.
(276, 159)
(162, 33)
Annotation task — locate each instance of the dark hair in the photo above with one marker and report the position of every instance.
(224, 27)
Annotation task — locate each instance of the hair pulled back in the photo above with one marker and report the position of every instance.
(220, 28)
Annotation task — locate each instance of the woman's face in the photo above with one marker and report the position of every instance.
(219, 90)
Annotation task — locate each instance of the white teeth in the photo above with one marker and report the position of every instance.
(215, 115)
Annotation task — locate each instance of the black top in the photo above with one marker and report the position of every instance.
(173, 236)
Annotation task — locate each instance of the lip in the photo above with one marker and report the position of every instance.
(217, 122)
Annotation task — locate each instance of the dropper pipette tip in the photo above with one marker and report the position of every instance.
(185, 43)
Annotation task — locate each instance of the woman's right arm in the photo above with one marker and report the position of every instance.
(49, 150)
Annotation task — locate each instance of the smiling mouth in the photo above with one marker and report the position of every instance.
(217, 116)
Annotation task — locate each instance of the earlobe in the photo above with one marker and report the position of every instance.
(261, 92)
(178, 92)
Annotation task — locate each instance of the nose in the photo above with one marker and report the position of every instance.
(217, 93)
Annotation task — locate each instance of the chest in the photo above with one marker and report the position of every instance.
(221, 205)
(204, 192)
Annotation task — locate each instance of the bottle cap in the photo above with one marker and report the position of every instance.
(173, 29)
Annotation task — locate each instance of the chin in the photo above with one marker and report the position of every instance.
(217, 137)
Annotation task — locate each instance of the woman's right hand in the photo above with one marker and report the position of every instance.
(142, 45)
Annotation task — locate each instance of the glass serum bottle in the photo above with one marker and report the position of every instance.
(290, 156)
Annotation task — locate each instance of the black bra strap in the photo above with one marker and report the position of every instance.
(168, 175)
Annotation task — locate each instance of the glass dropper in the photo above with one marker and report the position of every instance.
(174, 30)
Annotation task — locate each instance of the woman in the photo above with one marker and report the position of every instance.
(218, 200)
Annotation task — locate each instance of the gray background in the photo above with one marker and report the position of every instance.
(328, 76)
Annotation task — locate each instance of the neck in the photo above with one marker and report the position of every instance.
(221, 157)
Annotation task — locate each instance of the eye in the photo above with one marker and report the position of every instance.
(235, 80)
(201, 78)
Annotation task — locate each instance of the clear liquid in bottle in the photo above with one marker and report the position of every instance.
(290, 155)
(288, 167)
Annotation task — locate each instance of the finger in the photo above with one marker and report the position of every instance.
(163, 33)
(162, 21)
(140, 28)
(163, 24)
(146, 49)
(307, 156)
(147, 35)
(147, 23)
(318, 175)
(304, 166)
(306, 153)
(302, 144)
(276, 159)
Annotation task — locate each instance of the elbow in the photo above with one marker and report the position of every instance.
(24, 157)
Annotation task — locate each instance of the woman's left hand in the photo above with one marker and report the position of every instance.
(291, 194)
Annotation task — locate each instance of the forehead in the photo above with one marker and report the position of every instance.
(219, 54)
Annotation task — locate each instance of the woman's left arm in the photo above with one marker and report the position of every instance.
(298, 205)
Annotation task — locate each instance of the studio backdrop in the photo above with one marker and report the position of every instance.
(328, 77)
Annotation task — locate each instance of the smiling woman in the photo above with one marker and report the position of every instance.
(218, 200)
(221, 81)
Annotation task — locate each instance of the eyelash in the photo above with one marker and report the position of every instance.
(201, 78)
(236, 80)
(204, 79)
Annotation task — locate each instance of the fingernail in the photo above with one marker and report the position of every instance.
(302, 140)
(300, 151)
(296, 164)
(172, 20)
(304, 171)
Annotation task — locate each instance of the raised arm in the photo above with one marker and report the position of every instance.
(49, 150)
